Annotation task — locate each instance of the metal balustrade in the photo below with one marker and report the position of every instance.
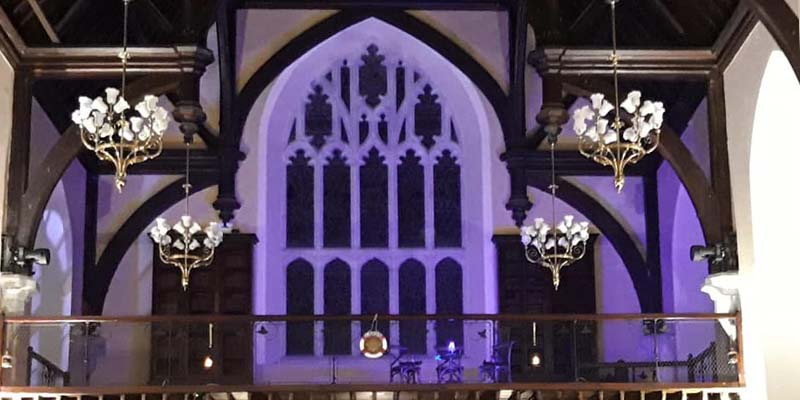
(160, 354)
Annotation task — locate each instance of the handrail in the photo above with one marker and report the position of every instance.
(394, 317)
(48, 365)
(386, 387)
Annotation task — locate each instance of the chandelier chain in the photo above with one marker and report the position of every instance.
(124, 55)
(553, 187)
(615, 65)
(186, 186)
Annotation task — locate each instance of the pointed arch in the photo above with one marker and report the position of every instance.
(375, 293)
(449, 301)
(336, 291)
(300, 301)
(412, 302)
(318, 33)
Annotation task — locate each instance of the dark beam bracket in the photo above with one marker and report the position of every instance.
(229, 154)
(518, 202)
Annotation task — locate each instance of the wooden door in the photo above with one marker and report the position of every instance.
(222, 288)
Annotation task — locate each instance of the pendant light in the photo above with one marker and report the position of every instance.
(618, 143)
(115, 133)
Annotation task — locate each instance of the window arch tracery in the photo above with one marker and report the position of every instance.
(373, 180)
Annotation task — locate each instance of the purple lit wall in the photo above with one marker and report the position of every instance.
(680, 229)
(61, 231)
(263, 32)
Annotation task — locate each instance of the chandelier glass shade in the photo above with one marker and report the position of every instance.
(556, 248)
(625, 139)
(558, 245)
(115, 132)
(119, 135)
(186, 245)
(599, 137)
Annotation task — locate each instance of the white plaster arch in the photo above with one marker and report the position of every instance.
(266, 132)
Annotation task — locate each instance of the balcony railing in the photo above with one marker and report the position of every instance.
(470, 351)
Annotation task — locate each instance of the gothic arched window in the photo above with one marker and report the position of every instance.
(447, 201)
(300, 301)
(374, 200)
(375, 294)
(412, 302)
(388, 161)
(373, 172)
(337, 302)
(449, 301)
(336, 201)
(411, 200)
(299, 201)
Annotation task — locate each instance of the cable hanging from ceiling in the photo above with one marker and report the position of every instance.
(629, 136)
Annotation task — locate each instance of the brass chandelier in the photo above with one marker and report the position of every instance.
(115, 133)
(601, 141)
(186, 245)
(557, 246)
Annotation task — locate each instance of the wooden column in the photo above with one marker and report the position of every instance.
(518, 202)
(19, 156)
(653, 240)
(89, 233)
(720, 169)
(229, 154)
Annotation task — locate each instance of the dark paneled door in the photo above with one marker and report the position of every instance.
(525, 288)
(222, 288)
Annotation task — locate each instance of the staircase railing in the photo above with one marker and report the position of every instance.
(50, 373)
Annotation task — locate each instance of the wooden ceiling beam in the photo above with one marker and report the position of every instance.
(648, 63)
(103, 62)
(67, 22)
(659, 8)
(155, 16)
(170, 162)
(11, 43)
(48, 28)
(587, 19)
(734, 34)
(568, 163)
(461, 5)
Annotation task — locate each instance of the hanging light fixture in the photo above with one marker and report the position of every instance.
(208, 361)
(113, 131)
(535, 360)
(618, 143)
(186, 245)
(557, 246)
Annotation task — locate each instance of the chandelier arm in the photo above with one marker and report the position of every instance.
(104, 155)
(656, 135)
(86, 139)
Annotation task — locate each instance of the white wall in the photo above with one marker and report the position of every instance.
(6, 105)
(762, 135)
(60, 231)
